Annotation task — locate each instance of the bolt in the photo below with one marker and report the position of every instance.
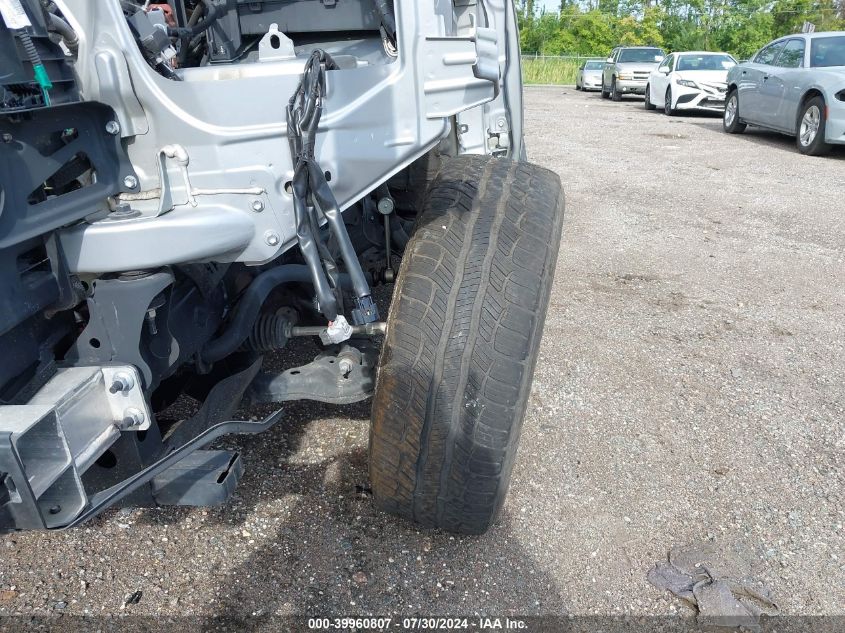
(132, 416)
(502, 123)
(113, 128)
(257, 206)
(130, 182)
(345, 366)
(271, 238)
(151, 321)
(386, 206)
(123, 382)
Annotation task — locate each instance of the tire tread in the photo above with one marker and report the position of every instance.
(463, 335)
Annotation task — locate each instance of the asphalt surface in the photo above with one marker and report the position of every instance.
(690, 388)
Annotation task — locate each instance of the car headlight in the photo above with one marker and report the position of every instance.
(625, 76)
(687, 83)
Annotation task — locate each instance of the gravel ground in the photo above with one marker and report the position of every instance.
(690, 388)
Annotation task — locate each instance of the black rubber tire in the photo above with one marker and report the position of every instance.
(648, 104)
(604, 93)
(818, 147)
(462, 340)
(736, 126)
(668, 110)
(614, 91)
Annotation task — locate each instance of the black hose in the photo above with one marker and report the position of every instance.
(55, 23)
(325, 199)
(388, 20)
(308, 245)
(249, 307)
(185, 48)
(212, 14)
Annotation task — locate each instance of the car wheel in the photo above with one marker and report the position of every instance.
(463, 335)
(648, 104)
(811, 128)
(667, 104)
(604, 93)
(614, 91)
(731, 122)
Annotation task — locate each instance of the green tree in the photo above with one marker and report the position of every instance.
(740, 27)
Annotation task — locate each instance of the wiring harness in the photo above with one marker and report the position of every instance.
(313, 201)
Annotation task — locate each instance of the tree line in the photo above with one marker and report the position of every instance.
(739, 27)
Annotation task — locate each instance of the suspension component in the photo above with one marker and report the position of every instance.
(269, 333)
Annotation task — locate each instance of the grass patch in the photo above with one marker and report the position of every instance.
(549, 70)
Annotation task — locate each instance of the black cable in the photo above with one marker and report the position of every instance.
(388, 20)
(304, 112)
(212, 14)
(55, 23)
(308, 245)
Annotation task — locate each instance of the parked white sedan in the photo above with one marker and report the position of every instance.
(689, 81)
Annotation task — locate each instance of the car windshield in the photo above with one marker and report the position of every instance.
(705, 62)
(827, 51)
(640, 55)
(593, 66)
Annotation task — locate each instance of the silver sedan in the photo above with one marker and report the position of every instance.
(589, 75)
(794, 85)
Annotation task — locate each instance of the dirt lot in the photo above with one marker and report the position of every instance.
(690, 389)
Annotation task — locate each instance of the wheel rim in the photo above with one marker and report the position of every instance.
(810, 123)
(730, 111)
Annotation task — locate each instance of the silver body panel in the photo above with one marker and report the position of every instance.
(378, 118)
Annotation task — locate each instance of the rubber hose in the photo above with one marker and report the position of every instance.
(55, 23)
(308, 245)
(325, 200)
(213, 12)
(388, 20)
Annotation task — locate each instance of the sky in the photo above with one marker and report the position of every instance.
(550, 5)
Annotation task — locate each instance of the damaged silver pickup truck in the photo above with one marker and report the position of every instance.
(187, 186)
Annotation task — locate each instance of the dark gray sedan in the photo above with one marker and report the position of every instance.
(794, 85)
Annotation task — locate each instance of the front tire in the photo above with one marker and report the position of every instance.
(462, 339)
(648, 104)
(604, 93)
(811, 129)
(731, 122)
(668, 110)
(614, 91)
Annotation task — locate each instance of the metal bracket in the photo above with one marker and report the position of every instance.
(275, 46)
(342, 378)
(110, 496)
(118, 311)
